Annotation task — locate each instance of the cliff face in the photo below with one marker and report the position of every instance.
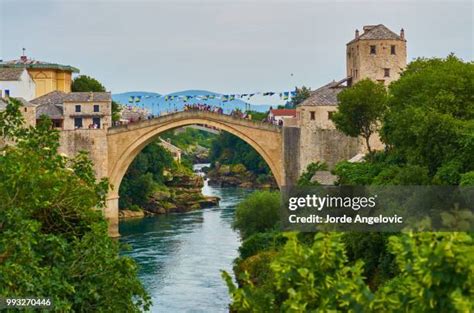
(181, 194)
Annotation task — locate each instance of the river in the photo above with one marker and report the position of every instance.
(181, 255)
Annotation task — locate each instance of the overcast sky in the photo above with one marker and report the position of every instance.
(223, 46)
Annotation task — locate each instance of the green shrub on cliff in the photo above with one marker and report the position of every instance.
(259, 212)
(53, 240)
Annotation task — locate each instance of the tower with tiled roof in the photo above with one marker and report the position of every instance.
(377, 53)
(47, 76)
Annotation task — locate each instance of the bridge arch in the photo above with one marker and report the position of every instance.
(126, 142)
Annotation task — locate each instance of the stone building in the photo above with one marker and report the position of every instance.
(76, 110)
(175, 151)
(276, 116)
(377, 53)
(47, 76)
(16, 82)
(28, 111)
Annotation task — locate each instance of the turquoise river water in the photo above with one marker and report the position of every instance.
(181, 255)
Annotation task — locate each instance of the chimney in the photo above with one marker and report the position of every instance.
(402, 33)
(357, 34)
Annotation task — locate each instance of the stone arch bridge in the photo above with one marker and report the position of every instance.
(287, 150)
(124, 143)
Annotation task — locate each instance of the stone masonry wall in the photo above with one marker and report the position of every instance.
(291, 154)
(94, 141)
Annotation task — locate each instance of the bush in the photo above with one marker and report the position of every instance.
(314, 278)
(436, 274)
(307, 175)
(258, 213)
(261, 242)
(257, 267)
(372, 249)
(467, 179)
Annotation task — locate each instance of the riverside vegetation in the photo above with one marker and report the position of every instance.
(157, 184)
(53, 238)
(427, 124)
(236, 164)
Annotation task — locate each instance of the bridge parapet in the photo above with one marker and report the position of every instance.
(186, 115)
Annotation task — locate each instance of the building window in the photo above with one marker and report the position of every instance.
(96, 108)
(78, 108)
(78, 122)
(312, 115)
(373, 50)
(57, 124)
(7, 93)
(356, 73)
(386, 72)
(96, 122)
(330, 114)
(392, 49)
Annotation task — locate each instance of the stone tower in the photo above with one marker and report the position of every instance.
(377, 53)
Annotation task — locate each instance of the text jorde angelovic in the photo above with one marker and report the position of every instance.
(322, 207)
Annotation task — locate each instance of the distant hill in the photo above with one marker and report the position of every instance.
(123, 98)
(156, 103)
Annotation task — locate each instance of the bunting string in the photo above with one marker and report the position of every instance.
(285, 95)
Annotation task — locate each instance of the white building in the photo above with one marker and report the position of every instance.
(276, 116)
(17, 83)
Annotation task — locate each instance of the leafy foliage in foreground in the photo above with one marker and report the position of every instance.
(53, 240)
(436, 275)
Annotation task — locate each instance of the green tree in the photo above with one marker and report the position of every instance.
(360, 109)
(430, 121)
(302, 94)
(259, 212)
(84, 83)
(53, 237)
(144, 175)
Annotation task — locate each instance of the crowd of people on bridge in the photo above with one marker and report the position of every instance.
(203, 107)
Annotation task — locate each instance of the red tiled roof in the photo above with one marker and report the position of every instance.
(283, 112)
